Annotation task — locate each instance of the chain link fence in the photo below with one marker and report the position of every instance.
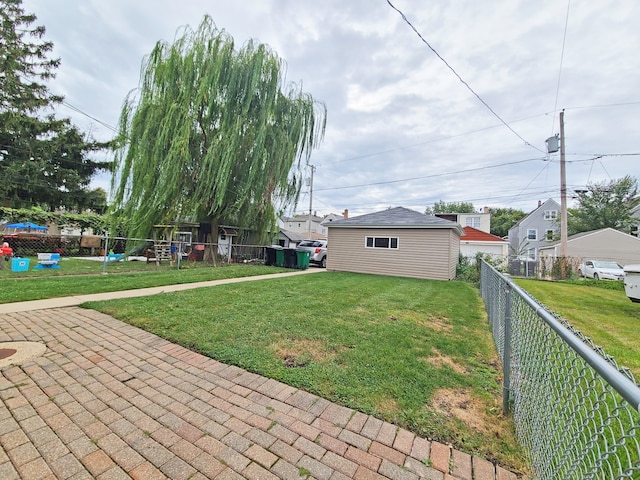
(575, 409)
(109, 250)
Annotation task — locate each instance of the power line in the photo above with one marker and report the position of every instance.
(430, 176)
(461, 79)
(359, 157)
(76, 109)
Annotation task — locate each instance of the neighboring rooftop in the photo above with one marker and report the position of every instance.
(475, 235)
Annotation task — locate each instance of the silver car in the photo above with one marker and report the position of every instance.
(317, 251)
(600, 269)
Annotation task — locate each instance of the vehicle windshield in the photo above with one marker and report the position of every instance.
(310, 243)
(607, 265)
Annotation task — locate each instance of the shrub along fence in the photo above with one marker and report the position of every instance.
(577, 413)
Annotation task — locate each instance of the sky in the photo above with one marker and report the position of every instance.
(452, 104)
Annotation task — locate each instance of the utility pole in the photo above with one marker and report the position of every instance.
(313, 169)
(563, 192)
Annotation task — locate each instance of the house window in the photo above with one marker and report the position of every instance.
(531, 253)
(550, 214)
(549, 233)
(473, 222)
(381, 242)
(532, 234)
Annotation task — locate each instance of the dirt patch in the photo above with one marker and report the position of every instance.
(387, 405)
(438, 360)
(439, 324)
(460, 404)
(299, 352)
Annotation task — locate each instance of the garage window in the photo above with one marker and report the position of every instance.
(381, 242)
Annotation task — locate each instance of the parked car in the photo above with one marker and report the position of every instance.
(601, 270)
(317, 251)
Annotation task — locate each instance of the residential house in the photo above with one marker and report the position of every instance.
(603, 244)
(330, 218)
(536, 230)
(635, 230)
(478, 220)
(398, 242)
(307, 225)
(476, 241)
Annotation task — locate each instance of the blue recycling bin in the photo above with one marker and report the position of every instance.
(19, 264)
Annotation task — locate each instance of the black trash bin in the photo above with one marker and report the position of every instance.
(290, 258)
(269, 256)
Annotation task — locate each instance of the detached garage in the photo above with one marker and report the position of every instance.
(398, 242)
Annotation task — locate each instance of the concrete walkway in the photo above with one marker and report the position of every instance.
(110, 401)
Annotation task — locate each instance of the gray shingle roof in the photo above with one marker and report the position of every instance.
(398, 217)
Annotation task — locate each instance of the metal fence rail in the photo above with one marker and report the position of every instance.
(577, 413)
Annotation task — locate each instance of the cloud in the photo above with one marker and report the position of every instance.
(395, 110)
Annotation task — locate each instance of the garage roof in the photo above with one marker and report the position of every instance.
(398, 217)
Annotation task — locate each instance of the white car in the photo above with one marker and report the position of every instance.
(317, 251)
(601, 270)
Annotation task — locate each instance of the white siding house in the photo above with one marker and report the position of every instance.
(538, 229)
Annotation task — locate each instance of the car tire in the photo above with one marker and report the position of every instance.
(596, 277)
(580, 274)
(323, 262)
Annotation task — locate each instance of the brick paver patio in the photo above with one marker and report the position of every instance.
(111, 401)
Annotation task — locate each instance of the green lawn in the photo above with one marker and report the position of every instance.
(78, 277)
(417, 353)
(600, 310)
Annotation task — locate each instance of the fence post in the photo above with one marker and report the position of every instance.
(506, 355)
(106, 255)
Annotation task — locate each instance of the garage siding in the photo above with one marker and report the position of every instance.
(422, 253)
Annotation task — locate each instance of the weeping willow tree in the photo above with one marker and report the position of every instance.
(212, 134)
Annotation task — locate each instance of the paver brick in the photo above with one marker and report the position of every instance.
(388, 453)
(309, 448)
(177, 469)
(338, 462)
(363, 458)
(97, 462)
(261, 456)
(66, 466)
(363, 473)
(461, 464)
(355, 439)
(286, 451)
(387, 434)
(23, 454)
(35, 470)
(422, 469)
(333, 444)
(146, 471)
(395, 472)
(256, 472)
(440, 455)
(421, 448)
(482, 469)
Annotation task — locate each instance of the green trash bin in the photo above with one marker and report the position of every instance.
(303, 259)
(279, 256)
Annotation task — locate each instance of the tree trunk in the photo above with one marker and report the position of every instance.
(211, 249)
